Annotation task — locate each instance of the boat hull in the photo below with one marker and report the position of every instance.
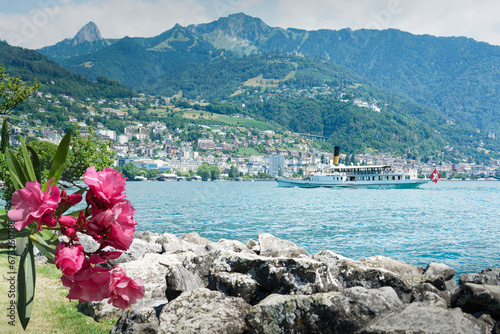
(389, 184)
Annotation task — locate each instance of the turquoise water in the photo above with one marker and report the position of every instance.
(454, 222)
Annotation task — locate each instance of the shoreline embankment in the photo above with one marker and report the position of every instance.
(272, 285)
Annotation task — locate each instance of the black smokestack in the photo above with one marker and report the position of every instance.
(336, 155)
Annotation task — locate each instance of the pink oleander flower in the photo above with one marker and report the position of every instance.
(31, 204)
(104, 256)
(115, 226)
(124, 291)
(89, 284)
(106, 188)
(69, 258)
(67, 221)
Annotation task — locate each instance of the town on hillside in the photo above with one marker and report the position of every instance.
(166, 136)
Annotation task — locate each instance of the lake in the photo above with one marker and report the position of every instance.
(452, 222)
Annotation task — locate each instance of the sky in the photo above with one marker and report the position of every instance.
(36, 23)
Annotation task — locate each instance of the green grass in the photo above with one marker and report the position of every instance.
(247, 151)
(249, 123)
(229, 120)
(52, 311)
(259, 81)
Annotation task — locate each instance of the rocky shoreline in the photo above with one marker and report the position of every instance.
(194, 285)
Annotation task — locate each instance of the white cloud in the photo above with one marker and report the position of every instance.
(115, 18)
(475, 19)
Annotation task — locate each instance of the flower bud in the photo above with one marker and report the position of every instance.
(74, 199)
(70, 233)
(67, 221)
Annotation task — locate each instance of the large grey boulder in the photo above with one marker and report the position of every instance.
(237, 285)
(378, 271)
(88, 243)
(188, 243)
(141, 318)
(137, 249)
(487, 276)
(275, 247)
(195, 238)
(331, 312)
(398, 267)
(147, 236)
(425, 319)
(439, 269)
(101, 311)
(230, 245)
(428, 294)
(253, 246)
(291, 314)
(474, 298)
(163, 275)
(151, 269)
(204, 311)
(179, 279)
(276, 275)
(198, 264)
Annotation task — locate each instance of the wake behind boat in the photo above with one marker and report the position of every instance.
(371, 176)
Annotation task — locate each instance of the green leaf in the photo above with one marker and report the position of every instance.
(26, 285)
(4, 217)
(27, 162)
(59, 159)
(75, 213)
(57, 175)
(46, 242)
(16, 171)
(8, 233)
(37, 166)
(49, 237)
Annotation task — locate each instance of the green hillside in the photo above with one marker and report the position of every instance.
(317, 97)
(28, 65)
(457, 76)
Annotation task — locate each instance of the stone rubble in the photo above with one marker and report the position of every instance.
(194, 285)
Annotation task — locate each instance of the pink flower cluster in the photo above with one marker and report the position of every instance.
(108, 219)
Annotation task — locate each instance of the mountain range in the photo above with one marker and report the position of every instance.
(457, 76)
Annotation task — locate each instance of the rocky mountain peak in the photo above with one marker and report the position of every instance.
(238, 25)
(89, 33)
